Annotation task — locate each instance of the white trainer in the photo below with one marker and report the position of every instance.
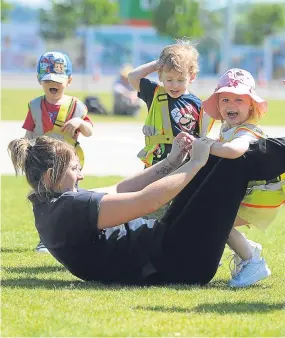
(235, 264)
(250, 272)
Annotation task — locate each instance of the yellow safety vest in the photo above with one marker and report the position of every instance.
(158, 128)
(260, 194)
(249, 125)
(65, 109)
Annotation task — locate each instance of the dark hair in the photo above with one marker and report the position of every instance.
(34, 157)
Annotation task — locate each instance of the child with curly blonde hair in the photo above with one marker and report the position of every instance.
(171, 107)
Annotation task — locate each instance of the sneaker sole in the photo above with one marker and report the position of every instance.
(43, 250)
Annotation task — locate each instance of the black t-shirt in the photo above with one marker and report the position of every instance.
(67, 225)
(184, 113)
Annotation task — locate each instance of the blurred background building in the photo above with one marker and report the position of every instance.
(102, 35)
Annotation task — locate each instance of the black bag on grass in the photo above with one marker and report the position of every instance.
(94, 106)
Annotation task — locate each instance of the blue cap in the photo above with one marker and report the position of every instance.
(54, 66)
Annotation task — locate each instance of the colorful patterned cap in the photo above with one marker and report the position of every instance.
(54, 66)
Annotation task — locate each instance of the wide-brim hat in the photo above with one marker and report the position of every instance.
(237, 81)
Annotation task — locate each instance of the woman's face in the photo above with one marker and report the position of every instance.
(73, 174)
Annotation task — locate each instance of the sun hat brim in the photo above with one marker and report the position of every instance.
(60, 78)
(211, 104)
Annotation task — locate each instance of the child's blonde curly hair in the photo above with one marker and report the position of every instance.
(181, 56)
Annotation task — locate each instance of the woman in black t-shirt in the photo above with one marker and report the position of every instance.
(100, 235)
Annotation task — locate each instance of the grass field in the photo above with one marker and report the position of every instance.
(41, 298)
(15, 105)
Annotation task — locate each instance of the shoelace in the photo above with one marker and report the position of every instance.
(241, 266)
(233, 266)
(232, 263)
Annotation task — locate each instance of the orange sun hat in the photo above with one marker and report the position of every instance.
(237, 81)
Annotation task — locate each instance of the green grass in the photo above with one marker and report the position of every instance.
(15, 107)
(41, 298)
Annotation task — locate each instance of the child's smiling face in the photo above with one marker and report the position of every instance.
(234, 109)
(175, 83)
(53, 90)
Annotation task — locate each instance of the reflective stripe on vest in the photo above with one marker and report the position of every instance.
(159, 117)
(261, 194)
(65, 109)
(157, 128)
(250, 125)
(265, 198)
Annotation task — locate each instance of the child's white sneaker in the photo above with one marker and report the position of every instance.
(250, 272)
(235, 264)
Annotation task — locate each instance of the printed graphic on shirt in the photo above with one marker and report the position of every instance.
(186, 117)
(53, 116)
(159, 151)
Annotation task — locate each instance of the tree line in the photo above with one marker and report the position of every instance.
(174, 18)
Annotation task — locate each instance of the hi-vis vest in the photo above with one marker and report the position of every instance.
(158, 128)
(249, 126)
(65, 109)
(259, 194)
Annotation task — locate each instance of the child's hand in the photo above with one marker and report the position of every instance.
(72, 126)
(201, 149)
(180, 148)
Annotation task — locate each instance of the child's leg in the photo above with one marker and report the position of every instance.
(248, 265)
(240, 222)
(238, 243)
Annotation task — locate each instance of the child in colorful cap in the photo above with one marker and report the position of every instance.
(56, 114)
(236, 104)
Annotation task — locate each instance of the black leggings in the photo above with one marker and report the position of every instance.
(198, 222)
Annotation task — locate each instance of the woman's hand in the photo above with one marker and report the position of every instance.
(180, 148)
(200, 150)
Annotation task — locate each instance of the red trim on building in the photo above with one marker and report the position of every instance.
(141, 23)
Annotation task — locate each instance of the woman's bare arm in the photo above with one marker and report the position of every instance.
(140, 180)
(120, 208)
